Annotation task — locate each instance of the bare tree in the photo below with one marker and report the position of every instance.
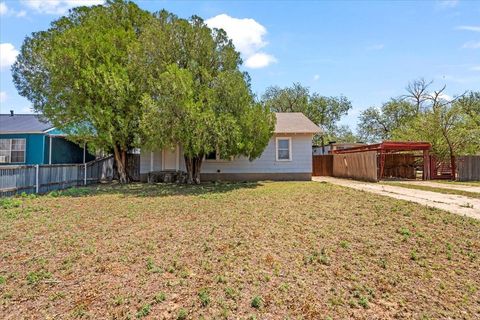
(417, 92)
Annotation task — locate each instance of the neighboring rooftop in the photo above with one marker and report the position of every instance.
(23, 123)
(294, 122)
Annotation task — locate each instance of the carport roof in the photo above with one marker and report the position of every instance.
(388, 146)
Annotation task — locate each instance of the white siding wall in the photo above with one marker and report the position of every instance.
(145, 161)
(266, 163)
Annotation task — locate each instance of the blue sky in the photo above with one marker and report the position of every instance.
(365, 50)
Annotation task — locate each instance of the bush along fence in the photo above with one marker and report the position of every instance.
(46, 178)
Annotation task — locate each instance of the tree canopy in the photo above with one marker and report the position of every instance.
(122, 77)
(451, 125)
(323, 111)
(80, 75)
(197, 97)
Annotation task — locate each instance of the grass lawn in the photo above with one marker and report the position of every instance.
(435, 189)
(467, 183)
(293, 250)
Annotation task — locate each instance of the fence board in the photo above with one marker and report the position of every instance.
(360, 165)
(468, 168)
(322, 165)
(399, 165)
(18, 179)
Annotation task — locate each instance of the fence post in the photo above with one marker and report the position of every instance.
(37, 187)
(85, 175)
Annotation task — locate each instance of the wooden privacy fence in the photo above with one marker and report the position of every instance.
(360, 165)
(399, 165)
(468, 168)
(45, 178)
(322, 165)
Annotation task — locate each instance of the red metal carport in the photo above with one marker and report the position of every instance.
(392, 147)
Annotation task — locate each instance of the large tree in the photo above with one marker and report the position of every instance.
(196, 96)
(469, 103)
(378, 124)
(445, 126)
(323, 111)
(80, 74)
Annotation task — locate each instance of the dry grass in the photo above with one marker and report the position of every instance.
(466, 183)
(238, 251)
(475, 195)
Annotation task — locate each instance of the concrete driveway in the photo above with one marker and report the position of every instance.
(453, 203)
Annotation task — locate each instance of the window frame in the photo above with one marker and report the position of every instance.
(10, 150)
(217, 158)
(290, 153)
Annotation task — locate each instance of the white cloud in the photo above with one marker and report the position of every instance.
(58, 6)
(316, 77)
(260, 60)
(3, 96)
(27, 110)
(469, 28)
(471, 45)
(475, 68)
(442, 96)
(248, 37)
(3, 8)
(8, 54)
(378, 46)
(448, 3)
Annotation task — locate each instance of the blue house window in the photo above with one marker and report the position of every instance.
(12, 150)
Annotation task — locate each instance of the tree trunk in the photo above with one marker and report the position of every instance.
(120, 156)
(193, 166)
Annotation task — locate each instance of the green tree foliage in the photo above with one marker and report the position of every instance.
(446, 127)
(195, 94)
(470, 105)
(80, 75)
(323, 111)
(122, 77)
(422, 114)
(378, 124)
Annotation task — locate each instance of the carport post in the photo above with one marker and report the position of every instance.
(426, 165)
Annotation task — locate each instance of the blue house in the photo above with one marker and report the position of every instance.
(29, 139)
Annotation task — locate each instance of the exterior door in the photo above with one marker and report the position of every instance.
(170, 158)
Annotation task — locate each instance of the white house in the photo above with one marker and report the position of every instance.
(288, 156)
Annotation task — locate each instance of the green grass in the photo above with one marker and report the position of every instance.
(466, 183)
(435, 189)
(271, 250)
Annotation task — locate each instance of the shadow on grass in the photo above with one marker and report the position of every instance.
(154, 190)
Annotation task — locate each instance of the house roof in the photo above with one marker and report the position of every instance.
(294, 122)
(23, 123)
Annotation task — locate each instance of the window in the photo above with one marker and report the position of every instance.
(215, 156)
(212, 156)
(284, 146)
(12, 150)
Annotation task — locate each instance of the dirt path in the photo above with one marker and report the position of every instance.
(453, 203)
(443, 185)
